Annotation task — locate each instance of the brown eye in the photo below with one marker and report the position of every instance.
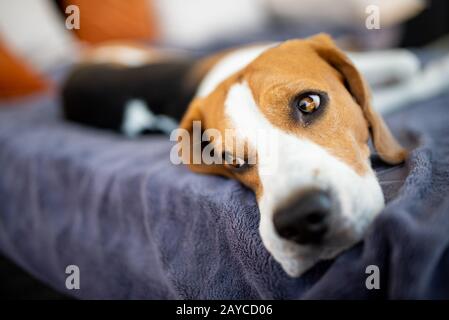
(309, 103)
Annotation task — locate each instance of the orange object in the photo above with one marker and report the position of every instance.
(114, 20)
(16, 77)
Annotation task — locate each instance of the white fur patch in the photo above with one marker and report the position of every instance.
(230, 64)
(381, 67)
(425, 84)
(138, 117)
(292, 164)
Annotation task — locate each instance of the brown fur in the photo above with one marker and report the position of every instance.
(276, 77)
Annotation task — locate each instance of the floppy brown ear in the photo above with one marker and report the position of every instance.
(191, 149)
(386, 145)
(192, 114)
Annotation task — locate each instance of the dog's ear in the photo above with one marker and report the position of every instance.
(191, 149)
(386, 145)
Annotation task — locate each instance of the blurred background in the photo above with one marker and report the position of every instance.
(36, 46)
(35, 42)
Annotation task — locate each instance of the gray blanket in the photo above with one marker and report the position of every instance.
(138, 226)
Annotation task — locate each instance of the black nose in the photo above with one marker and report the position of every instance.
(305, 220)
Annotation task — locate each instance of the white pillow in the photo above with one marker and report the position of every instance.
(195, 23)
(34, 30)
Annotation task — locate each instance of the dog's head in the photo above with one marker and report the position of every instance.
(300, 115)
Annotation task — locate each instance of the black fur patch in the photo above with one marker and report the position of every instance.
(97, 94)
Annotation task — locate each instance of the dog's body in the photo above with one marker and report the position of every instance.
(316, 190)
(110, 104)
(129, 89)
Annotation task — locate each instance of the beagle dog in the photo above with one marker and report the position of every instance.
(299, 114)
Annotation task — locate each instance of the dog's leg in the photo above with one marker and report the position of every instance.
(403, 80)
(387, 66)
(431, 81)
(129, 90)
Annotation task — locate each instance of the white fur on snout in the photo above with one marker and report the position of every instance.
(289, 164)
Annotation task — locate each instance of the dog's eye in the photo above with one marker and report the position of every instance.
(233, 162)
(308, 103)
